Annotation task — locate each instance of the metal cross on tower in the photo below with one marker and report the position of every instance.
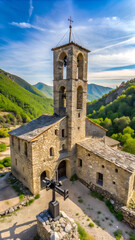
(70, 27)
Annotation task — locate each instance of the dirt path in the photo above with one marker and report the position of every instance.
(22, 224)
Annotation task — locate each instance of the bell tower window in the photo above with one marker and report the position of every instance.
(62, 99)
(62, 66)
(80, 66)
(79, 97)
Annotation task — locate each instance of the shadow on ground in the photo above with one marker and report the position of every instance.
(27, 233)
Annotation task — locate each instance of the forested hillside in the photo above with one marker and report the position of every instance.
(45, 89)
(117, 116)
(18, 104)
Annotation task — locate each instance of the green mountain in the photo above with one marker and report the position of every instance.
(45, 89)
(19, 101)
(116, 112)
(93, 91)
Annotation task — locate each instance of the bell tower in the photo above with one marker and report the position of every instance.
(70, 88)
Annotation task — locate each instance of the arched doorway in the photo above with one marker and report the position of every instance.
(42, 177)
(62, 169)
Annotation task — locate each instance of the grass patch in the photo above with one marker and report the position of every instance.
(21, 197)
(118, 214)
(98, 212)
(118, 234)
(74, 178)
(97, 195)
(91, 225)
(83, 234)
(3, 147)
(80, 200)
(132, 238)
(37, 196)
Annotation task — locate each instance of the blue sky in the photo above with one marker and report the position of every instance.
(30, 28)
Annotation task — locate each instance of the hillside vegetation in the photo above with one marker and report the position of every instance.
(45, 89)
(21, 105)
(117, 116)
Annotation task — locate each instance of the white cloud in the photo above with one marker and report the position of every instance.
(31, 9)
(27, 25)
(112, 75)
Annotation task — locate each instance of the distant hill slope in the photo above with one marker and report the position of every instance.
(44, 88)
(93, 91)
(23, 104)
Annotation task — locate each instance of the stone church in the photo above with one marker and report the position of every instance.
(67, 142)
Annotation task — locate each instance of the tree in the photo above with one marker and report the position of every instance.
(129, 146)
(121, 123)
(128, 130)
(107, 123)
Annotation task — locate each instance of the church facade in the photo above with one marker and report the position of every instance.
(67, 142)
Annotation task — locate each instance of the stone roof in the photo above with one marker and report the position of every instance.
(68, 44)
(110, 141)
(36, 127)
(119, 158)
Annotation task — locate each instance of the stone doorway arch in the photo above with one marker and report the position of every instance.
(62, 169)
(42, 177)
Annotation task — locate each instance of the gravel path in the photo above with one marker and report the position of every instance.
(22, 224)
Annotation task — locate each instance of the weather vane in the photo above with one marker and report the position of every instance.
(70, 27)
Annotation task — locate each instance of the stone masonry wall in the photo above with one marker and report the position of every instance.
(94, 130)
(115, 179)
(42, 161)
(21, 165)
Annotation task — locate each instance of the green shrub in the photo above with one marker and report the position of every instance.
(91, 225)
(2, 147)
(4, 132)
(37, 196)
(97, 195)
(1, 166)
(74, 178)
(21, 197)
(132, 238)
(118, 214)
(118, 234)
(31, 201)
(6, 161)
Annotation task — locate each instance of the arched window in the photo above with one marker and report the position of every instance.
(62, 99)
(63, 147)
(51, 151)
(63, 65)
(79, 97)
(80, 66)
(25, 149)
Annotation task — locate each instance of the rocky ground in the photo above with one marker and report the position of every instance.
(80, 206)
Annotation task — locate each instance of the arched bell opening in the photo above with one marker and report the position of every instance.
(79, 97)
(80, 66)
(62, 100)
(63, 66)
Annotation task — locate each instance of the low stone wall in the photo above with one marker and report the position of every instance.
(107, 195)
(128, 214)
(62, 229)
